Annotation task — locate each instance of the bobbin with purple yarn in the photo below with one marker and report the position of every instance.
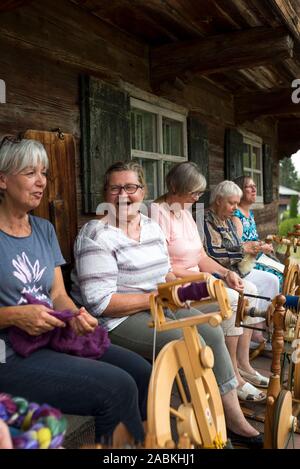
(193, 292)
(32, 426)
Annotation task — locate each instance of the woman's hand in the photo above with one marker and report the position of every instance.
(36, 319)
(266, 248)
(5, 439)
(234, 281)
(84, 322)
(252, 247)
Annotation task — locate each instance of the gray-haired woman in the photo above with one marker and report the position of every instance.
(113, 388)
(223, 244)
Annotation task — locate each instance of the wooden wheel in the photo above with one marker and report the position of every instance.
(295, 362)
(291, 285)
(199, 414)
(283, 420)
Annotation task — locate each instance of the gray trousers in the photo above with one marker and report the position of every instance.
(135, 335)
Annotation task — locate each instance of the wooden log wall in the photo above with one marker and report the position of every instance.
(44, 49)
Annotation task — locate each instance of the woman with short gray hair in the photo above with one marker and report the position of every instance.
(225, 189)
(223, 244)
(113, 386)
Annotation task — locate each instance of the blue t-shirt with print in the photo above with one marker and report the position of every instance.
(27, 266)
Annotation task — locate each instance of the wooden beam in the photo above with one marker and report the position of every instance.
(7, 5)
(288, 137)
(288, 11)
(242, 49)
(265, 103)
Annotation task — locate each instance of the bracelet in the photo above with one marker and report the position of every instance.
(32, 426)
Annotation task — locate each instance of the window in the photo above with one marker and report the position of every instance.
(252, 162)
(158, 141)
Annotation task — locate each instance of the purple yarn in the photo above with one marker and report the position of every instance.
(193, 292)
(65, 340)
(57, 441)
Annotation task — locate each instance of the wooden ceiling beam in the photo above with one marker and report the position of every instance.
(266, 103)
(7, 5)
(288, 11)
(219, 53)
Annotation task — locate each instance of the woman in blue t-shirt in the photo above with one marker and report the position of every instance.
(113, 388)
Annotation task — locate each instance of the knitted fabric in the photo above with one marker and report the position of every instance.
(61, 339)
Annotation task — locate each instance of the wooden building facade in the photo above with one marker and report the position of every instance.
(160, 81)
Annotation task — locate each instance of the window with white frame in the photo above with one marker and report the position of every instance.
(252, 162)
(158, 141)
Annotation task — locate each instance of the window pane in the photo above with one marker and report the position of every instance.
(256, 158)
(257, 179)
(246, 155)
(172, 137)
(168, 165)
(143, 130)
(150, 168)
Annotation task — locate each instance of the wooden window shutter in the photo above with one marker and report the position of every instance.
(59, 202)
(198, 149)
(233, 154)
(267, 173)
(105, 125)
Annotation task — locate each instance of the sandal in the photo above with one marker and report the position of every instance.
(256, 378)
(249, 393)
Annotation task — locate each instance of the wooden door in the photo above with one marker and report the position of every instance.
(59, 202)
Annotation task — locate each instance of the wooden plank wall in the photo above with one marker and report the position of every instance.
(43, 50)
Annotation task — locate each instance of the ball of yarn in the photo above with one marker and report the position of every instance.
(32, 426)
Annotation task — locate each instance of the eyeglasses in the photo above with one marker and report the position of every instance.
(10, 139)
(250, 186)
(196, 194)
(128, 188)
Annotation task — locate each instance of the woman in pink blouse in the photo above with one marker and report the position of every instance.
(185, 185)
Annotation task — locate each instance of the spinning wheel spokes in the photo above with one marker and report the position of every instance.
(200, 414)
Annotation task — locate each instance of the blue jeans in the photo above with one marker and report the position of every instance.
(113, 389)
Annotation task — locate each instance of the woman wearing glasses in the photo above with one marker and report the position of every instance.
(185, 185)
(119, 260)
(243, 218)
(113, 388)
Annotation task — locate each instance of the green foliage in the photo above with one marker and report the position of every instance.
(294, 206)
(288, 225)
(288, 176)
(285, 215)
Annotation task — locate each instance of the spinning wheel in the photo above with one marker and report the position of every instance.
(199, 414)
(279, 421)
(291, 284)
(294, 371)
(283, 420)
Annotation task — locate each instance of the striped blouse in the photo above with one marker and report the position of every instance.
(222, 242)
(107, 262)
